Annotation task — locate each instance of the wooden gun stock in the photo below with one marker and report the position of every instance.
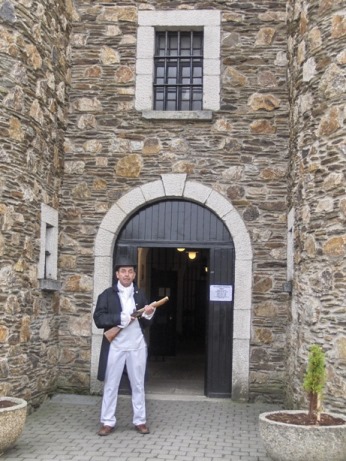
(114, 331)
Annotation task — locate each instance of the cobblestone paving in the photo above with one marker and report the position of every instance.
(183, 428)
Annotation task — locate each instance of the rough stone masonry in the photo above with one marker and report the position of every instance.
(70, 137)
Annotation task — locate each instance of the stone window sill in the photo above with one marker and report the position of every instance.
(177, 115)
(49, 285)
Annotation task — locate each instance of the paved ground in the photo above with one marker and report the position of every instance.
(183, 428)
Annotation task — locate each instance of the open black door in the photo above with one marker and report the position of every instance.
(172, 224)
(220, 323)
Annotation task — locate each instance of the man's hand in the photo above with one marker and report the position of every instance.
(149, 309)
(125, 319)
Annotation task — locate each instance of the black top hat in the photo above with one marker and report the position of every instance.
(124, 261)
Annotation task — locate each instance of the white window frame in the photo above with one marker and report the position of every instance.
(290, 245)
(209, 21)
(288, 286)
(48, 262)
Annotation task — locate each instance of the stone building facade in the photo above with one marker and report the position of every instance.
(266, 156)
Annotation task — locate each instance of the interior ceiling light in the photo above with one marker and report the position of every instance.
(181, 249)
(192, 254)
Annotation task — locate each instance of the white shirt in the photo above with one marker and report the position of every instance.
(131, 338)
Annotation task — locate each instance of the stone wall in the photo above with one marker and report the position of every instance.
(33, 79)
(242, 153)
(82, 157)
(317, 34)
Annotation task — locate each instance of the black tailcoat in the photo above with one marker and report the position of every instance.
(107, 315)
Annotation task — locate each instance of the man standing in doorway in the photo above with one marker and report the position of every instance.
(114, 308)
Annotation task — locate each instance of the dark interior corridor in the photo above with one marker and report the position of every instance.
(177, 342)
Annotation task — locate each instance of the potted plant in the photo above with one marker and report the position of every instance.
(295, 435)
(12, 419)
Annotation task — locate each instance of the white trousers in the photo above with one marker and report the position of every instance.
(135, 362)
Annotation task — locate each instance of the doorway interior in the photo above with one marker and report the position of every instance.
(177, 337)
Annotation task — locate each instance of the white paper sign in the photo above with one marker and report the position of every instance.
(221, 292)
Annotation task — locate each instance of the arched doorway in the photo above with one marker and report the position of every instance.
(177, 186)
(177, 223)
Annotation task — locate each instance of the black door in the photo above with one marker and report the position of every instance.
(181, 223)
(220, 324)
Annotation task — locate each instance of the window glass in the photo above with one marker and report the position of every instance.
(171, 98)
(185, 44)
(197, 75)
(186, 73)
(197, 98)
(172, 73)
(178, 78)
(197, 45)
(172, 44)
(160, 74)
(160, 44)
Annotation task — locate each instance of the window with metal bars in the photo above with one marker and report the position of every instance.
(178, 76)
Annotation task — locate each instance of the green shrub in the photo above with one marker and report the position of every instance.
(314, 380)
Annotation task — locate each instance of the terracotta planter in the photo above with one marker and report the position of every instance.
(290, 442)
(12, 420)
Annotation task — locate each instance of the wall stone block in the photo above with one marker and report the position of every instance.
(81, 191)
(341, 57)
(109, 56)
(273, 16)
(335, 246)
(45, 330)
(78, 283)
(94, 146)
(75, 167)
(338, 29)
(262, 127)
(151, 146)
(235, 78)
(34, 57)
(262, 284)
(67, 262)
(309, 70)
(80, 326)
(331, 121)
(129, 166)
(333, 82)
(87, 105)
(25, 331)
(267, 102)
(87, 121)
(332, 181)
(265, 36)
(266, 309)
(263, 335)
(16, 130)
(310, 246)
(341, 349)
(4, 334)
(124, 74)
(315, 38)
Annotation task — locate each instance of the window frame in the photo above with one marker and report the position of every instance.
(166, 58)
(208, 21)
(48, 260)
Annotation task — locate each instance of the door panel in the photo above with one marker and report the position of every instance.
(220, 326)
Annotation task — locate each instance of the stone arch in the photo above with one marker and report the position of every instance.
(177, 186)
